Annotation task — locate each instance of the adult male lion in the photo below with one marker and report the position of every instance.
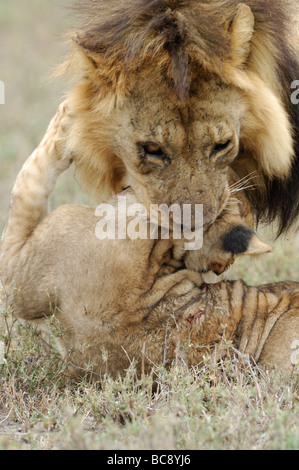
(172, 92)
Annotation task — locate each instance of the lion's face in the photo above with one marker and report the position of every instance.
(178, 153)
(133, 58)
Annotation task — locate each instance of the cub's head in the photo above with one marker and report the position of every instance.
(239, 241)
(229, 237)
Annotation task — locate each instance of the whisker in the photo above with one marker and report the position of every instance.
(244, 180)
(233, 200)
(242, 188)
(232, 210)
(240, 184)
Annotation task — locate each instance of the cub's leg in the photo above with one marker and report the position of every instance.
(28, 207)
(34, 184)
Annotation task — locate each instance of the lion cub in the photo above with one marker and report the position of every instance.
(122, 300)
(229, 237)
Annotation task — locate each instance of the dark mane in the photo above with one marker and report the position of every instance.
(282, 197)
(138, 31)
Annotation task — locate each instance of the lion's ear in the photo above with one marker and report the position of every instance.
(85, 54)
(241, 31)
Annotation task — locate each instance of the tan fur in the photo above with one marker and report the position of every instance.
(122, 300)
(185, 76)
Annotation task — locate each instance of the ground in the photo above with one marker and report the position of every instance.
(231, 405)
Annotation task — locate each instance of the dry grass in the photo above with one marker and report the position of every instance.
(231, 405)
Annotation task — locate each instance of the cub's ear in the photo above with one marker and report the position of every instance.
(241, 240)
(257, 246)
(241, 29)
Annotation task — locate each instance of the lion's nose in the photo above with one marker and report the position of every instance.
(194, 216)
(191, 217)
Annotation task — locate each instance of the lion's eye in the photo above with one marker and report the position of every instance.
(153, 149)
(221, 147)
(154, 154)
